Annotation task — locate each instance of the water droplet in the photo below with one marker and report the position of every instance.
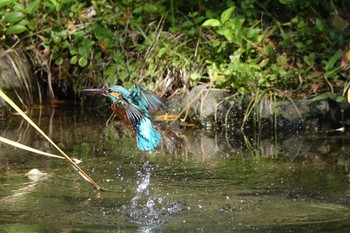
(150, 203)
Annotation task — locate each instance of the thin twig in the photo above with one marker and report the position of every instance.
(28, 148)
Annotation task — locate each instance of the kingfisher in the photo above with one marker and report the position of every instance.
(133, 107)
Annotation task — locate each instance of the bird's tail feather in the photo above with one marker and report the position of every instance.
(147, 138)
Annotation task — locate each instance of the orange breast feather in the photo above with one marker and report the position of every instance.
(119, 110)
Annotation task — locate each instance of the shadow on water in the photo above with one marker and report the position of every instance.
(197, 181)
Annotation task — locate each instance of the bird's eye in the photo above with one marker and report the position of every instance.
(110, 90)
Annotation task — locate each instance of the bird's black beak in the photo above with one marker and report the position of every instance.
(101, 91)
(92, 90)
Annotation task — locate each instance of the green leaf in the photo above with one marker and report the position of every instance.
(211, 23)
(83, 62)
(332, 73)
(264, 63)
(4, 3)
(23, 22)
(238, 38)
(331, 62)
(59, 61)
(111, 70)
(228, 34)
(323, 96)
(32, 25)
(65, 44)
(17, 7)
(79, 35)
(195, 76)
(110, 80)
(150, 8)
(118, 56)
(252, 32)
(74, 60)
(199, 19)
(226, 14)
(319, 25)
(162, 51)
(285, 2)
(103, 34)
(187, 24)
(73, 50)
(137, 10)
(340, 99)
(310, 59)
(268, 51)
(14, 17)
(238, 22)
(84, 47)
(16, 29)
(299, 45)
(56, 5)
(32, 7)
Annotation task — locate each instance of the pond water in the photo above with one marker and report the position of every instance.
(198, 180)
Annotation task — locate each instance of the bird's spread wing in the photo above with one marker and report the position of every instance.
(133, 113)
(144, 98)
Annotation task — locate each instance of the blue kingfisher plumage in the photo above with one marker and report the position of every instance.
(133, 108)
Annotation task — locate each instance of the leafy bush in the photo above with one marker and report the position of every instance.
(251, 46)
(262, 54)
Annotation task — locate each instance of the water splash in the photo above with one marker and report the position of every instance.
(142, 206)
(146, 209)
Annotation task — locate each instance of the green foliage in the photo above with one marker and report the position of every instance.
(253, 55)
(234, 49)
(247, 46)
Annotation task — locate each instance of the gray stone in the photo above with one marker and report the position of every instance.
(16, 75)
(294, 110)
(204, 102)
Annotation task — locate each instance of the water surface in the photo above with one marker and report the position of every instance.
(198, 180)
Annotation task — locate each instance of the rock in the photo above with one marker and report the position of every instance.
(294, 110)
(210, 107)
(16, 74)
(204, 102)
(36, 175)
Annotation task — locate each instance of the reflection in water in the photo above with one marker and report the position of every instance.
(70, 127)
